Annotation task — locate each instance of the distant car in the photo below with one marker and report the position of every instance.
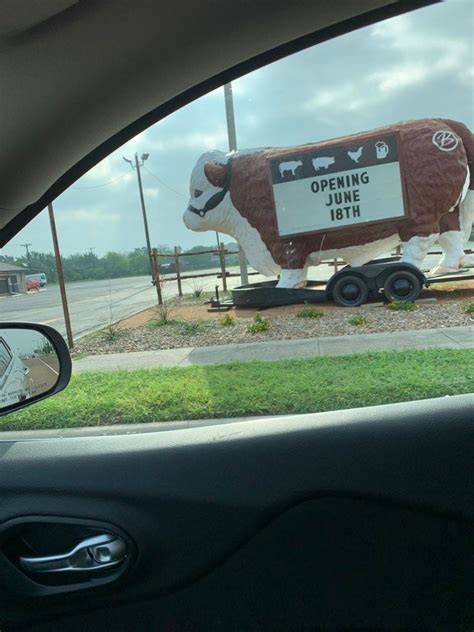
(14, 377)
(32, 284)
(39, 276)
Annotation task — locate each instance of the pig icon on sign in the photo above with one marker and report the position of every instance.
(323, 162)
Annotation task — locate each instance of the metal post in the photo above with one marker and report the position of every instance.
(28, 258)
(223, 271)
(145, 220)
(59, 269)
(156, 267)
(232, 136)
(178, 272)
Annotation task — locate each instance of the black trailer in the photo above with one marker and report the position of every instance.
(350, 287)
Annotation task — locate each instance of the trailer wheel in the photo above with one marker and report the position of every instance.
(402, 286)
(350, 291)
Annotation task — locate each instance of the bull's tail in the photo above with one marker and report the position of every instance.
(466, 208)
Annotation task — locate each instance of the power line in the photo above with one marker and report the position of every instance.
(165, 184)
(105, 184)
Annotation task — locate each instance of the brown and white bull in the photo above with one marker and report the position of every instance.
(232, 194)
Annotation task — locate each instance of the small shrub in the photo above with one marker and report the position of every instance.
(469, 308)
(190, 328)
(164, 312)
(259, 324)
(309, 312)
(111, 333)
(359, 319)
(197, 289)
(401, 306)
(228, 320)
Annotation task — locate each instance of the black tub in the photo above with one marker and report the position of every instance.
(266, 294)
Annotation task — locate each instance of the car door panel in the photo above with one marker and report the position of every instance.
(375, 500)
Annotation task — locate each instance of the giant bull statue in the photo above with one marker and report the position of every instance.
(355, 197)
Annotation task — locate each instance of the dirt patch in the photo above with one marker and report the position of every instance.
(189, 309)
(194, 326)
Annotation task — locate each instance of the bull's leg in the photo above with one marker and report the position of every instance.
(467, 224)
(416, 249)
(293, 278)
(452, 242)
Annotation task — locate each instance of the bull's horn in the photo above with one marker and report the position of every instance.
(215, 173)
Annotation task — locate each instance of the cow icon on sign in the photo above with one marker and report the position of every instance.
(289, 166)
(445, 140)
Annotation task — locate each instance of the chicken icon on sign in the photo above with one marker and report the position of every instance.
(355, 155)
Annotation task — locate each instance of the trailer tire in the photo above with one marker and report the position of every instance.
(350, 291)
(402, 285)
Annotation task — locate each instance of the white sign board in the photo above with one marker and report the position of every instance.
(321, 190)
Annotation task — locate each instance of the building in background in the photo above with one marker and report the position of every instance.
(12, 279)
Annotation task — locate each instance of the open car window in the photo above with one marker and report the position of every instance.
(353, 151)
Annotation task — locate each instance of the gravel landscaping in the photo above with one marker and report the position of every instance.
(193, 326)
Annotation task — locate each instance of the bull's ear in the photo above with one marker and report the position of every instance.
(215, 173)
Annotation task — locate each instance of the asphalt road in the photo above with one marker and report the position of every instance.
(93, 304)
(43, 374)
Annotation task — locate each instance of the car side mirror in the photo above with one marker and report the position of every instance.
(34, 364)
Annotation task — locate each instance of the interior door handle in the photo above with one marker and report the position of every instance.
(96, 553)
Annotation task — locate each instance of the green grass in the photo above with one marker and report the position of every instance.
(228, 320)
(259, 324)
(252, 388)
(162, 322)
(401, 306)
(469, 308)
(111, 333)
(191, 327)
(358, 319)
(309, 312)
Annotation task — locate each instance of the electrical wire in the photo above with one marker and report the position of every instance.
(105, 184)
(148, 287)
(164, 183)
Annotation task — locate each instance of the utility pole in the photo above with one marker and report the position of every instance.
(27, 246)
(137, 166)
(59, 269)
(232, 136)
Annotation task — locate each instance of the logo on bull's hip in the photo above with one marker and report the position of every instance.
(445, 140)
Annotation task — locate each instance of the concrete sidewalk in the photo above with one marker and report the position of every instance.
(446, 338)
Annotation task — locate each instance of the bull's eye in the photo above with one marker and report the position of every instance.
(197, 193)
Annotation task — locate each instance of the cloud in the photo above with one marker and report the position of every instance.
(194, 140)
(399, 77)
(87, 216)
(151, 192)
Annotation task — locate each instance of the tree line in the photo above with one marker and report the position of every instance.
(113, 265)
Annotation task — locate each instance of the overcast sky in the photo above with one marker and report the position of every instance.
(414, 66)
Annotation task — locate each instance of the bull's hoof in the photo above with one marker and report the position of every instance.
(467, 261)
(442, 270)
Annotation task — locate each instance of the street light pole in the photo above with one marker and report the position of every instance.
(27, 246)
(232, 136)
(137, 166)
(59, 269)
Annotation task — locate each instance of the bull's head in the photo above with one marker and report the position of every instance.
(210, 181)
